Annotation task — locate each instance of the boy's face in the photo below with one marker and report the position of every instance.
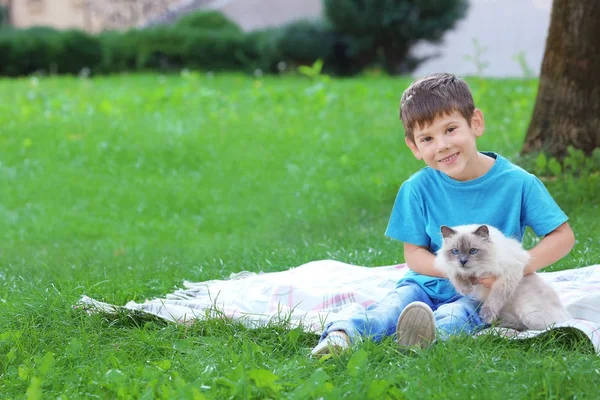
(449, 145)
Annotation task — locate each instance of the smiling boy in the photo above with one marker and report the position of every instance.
(459, 186)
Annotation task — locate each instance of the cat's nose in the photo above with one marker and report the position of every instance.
(463, 261)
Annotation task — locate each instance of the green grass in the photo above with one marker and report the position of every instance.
(122, 187)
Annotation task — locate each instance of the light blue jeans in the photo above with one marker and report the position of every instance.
(452, 317)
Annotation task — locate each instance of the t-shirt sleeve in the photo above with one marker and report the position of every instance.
(540, 211)
(407, 222)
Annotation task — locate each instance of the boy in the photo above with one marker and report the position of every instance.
(459, 186)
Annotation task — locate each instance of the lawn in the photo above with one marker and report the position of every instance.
(122, 187)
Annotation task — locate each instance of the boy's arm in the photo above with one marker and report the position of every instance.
(420, 260)
(551, 248)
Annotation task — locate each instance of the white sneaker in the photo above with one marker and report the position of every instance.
(332, 344)
(416, 326)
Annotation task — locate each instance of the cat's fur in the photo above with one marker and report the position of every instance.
(514, 301)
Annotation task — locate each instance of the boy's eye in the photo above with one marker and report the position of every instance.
(426, 139)
(450, 130)
(455, 252)
(473, 251)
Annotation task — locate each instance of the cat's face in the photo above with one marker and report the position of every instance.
(467, 251)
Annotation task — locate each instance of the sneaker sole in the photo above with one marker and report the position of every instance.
(416, 326)
(330, 345)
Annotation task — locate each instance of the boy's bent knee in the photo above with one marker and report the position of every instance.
(457, 318)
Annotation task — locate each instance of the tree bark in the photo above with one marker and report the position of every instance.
(567, 108)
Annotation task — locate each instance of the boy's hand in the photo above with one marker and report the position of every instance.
(487, 281)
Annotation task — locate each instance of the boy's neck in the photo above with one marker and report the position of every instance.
(483, 165)
(479, 167)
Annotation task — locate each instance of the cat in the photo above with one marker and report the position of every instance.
(470, 252)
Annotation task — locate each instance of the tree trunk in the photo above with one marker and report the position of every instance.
(567, 108)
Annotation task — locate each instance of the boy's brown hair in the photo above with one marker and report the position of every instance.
(432, 96)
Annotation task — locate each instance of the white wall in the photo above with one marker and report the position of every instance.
(505, 27)
(256, 14)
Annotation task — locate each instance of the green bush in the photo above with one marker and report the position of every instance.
(304, 42)
(299, 43)
(161, 47)
(78, 50)
(119, 50)
(205, 40)
(174, 47)
(261, 50)
(42, 49)
(26, 51)
(215, 51)
(357, 34)
(388, 29)
(210, 21)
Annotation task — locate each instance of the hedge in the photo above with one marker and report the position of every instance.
(210, 41)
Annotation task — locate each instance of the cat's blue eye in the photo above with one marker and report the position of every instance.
(473, 251)
(455, 252)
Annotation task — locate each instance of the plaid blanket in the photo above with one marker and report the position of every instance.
(318, 292)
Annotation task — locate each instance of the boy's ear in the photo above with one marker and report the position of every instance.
(413, 147)
(477, 122)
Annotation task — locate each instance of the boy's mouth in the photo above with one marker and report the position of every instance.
(450, 158)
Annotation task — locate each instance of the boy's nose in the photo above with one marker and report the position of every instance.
(441, 145)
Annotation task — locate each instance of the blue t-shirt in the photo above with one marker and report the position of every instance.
(506, 197)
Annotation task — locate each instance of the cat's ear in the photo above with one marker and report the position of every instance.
(447, 232)
(483, 231)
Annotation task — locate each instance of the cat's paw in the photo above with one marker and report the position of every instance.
(487, 315)
(467, 289)
(464, 290)
(463, 286)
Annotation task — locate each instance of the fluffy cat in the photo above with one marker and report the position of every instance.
(515, 301)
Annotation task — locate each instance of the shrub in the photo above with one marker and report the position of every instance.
(176, 47)
(304, 42)
(26, 51)
(215, 51)
(261, 50)
(77, 50)
(160, 47)
(209, 21)
(206, 40)
(390, 28)
(42, 49)
(119, 50)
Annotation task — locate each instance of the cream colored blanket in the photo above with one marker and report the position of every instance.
(315, 293)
